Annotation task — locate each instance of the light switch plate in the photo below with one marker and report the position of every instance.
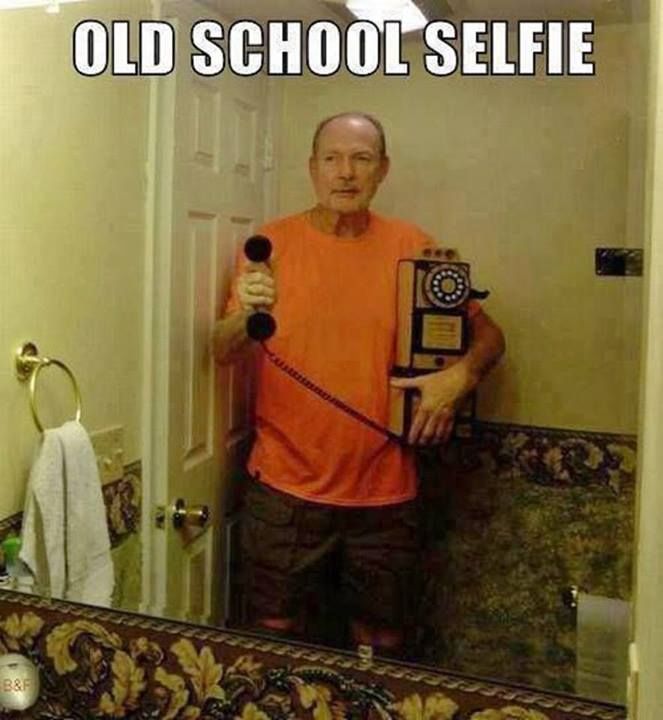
(620, 262)
(108, 446)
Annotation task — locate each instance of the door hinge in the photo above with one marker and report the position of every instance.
(268, 153)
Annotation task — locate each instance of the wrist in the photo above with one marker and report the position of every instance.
(471, 373)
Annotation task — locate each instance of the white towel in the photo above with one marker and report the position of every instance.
(65, 540)
(42, 533)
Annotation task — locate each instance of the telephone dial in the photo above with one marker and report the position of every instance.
(433, 332)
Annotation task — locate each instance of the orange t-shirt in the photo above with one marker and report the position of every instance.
(336, 324)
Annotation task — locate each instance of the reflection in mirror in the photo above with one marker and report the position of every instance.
(126, 203)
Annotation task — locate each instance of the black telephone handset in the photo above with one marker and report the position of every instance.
(260, 325)
(433, 332)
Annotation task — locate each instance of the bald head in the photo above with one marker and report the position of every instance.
(355, 118)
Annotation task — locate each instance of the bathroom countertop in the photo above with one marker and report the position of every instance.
(106, 663)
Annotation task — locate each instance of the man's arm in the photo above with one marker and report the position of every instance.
(229, 338)
(486, 348)
(443, 391)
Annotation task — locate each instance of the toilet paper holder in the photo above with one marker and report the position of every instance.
(570, 596)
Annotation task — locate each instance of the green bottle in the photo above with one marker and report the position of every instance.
(11, 547)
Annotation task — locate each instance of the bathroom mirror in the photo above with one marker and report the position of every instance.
(123, 203)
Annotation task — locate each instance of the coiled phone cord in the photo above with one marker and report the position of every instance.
(261, 326)
(328, 397)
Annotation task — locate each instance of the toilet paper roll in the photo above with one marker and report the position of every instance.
(603, 629)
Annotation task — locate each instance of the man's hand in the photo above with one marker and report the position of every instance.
(256, 288)
(441, 395)
(443, 391)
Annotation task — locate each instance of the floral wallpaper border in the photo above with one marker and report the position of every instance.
(557, 457)
(123, 504)
(108, 664)
(10, 525)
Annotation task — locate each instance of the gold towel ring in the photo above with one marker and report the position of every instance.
(28, 367)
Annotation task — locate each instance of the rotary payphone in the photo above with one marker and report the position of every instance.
(433, 332)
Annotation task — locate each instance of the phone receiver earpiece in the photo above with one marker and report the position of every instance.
(260, 325)
(258, 248)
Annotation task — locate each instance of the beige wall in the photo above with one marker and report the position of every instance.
(526, 176)
(72, 193)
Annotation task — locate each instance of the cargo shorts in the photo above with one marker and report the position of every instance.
(364, 558)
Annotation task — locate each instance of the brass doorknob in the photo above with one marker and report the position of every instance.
(194, 516)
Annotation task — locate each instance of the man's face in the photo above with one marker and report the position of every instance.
(347, 167)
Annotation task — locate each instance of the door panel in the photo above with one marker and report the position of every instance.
(209, 196)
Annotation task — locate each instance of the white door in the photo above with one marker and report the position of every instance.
(208, 149)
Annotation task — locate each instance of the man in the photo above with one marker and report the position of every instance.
(325, 481)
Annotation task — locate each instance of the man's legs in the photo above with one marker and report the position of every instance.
(285, 544)
(381, 552)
